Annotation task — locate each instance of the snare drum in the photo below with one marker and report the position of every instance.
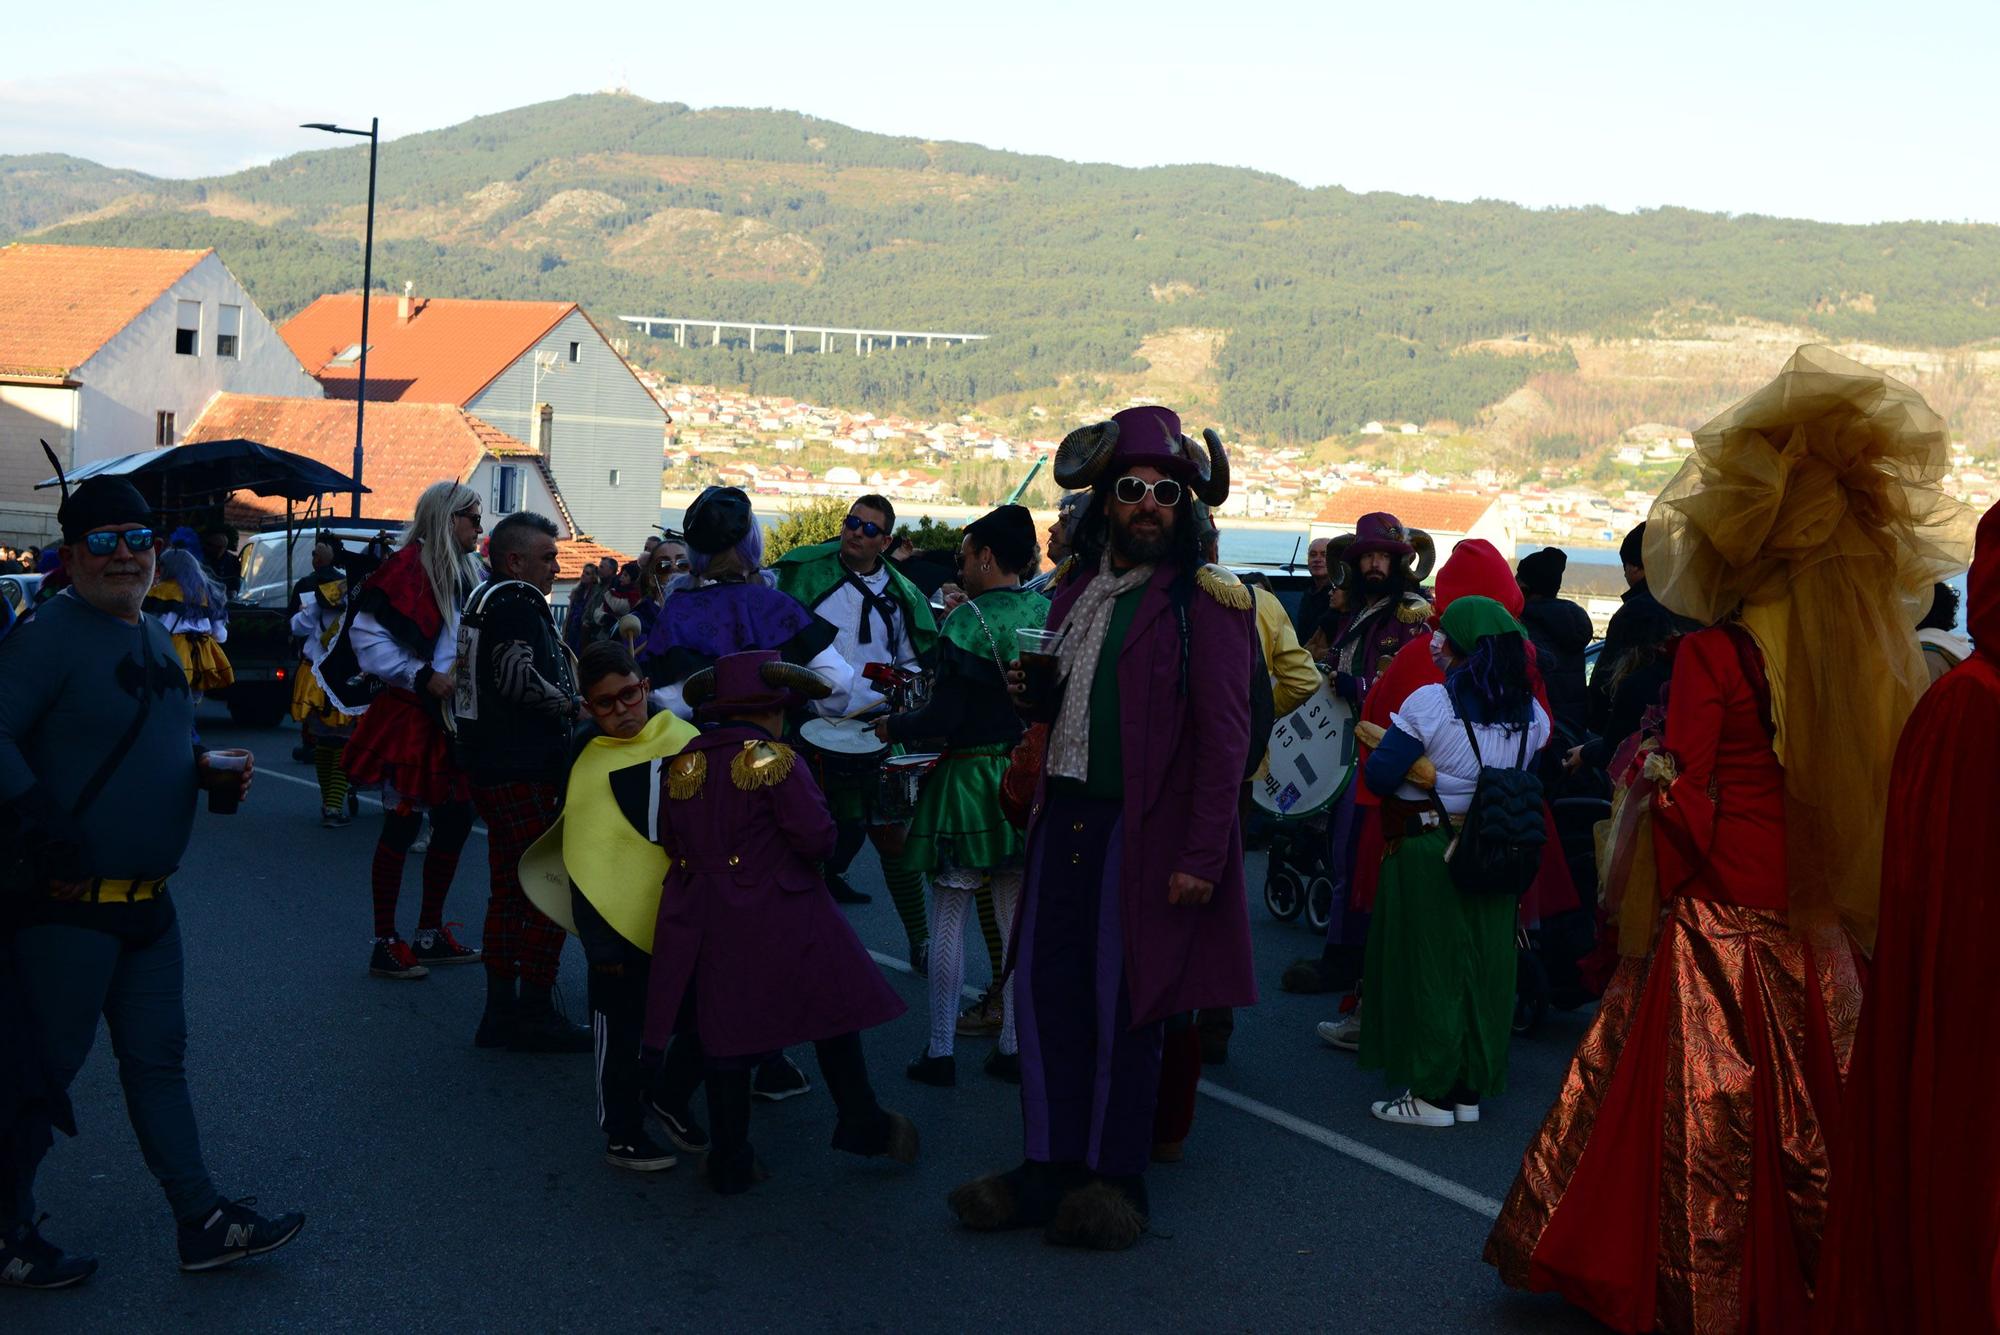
(1310, 761)
(846, 748)
(902, 780)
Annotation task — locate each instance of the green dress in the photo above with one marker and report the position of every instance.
(958, 822)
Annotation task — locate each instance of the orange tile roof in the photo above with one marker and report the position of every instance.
(446, 352)
(410, 445)
(60, 304)
(576, 553)
(1432, 511)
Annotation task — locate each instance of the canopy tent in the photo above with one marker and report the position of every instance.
(184, 477)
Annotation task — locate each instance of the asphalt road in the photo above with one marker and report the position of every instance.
(452, 1188)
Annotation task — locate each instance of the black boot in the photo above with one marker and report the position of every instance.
(496, 1025)
(939, 1071)
(539, 1028)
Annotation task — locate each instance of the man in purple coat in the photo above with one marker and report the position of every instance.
(749, 953)
(1133, 909)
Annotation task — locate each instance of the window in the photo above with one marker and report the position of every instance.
(575, 352)
(614, 477)
(506, 489)
(228, 331)
(163, 428)
(187, 328)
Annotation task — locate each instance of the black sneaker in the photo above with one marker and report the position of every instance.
(392, 959)
(843, 893)
(639, 1154)
(335, 818)
(232, 1231)
(779, 1079)
(540, 1027)
(687, 1134)
(436, 945)
(941, 1072)
(1004, 1066)
(30, 1261)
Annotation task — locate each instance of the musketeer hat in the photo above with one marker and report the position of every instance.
(1149, 436)
(757, 681)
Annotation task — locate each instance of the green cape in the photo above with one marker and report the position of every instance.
(809, 574)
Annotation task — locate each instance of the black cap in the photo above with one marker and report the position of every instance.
(719, 519)
(1541, 573)
(1008, 531)
(1632, 551)
(99, 502)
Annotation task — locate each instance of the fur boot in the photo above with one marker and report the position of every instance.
(1098, 1216)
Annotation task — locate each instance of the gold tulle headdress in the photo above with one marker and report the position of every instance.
(1815, 510)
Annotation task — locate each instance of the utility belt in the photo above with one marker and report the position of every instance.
(111, 890)
(1409, 820)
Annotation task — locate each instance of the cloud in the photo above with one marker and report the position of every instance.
(162, 122)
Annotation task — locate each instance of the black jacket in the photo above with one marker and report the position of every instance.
(1643, 620)
(1561, 631)
(515, 702)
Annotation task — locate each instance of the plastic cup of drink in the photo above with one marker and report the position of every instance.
(225, 779)
(1038, 649)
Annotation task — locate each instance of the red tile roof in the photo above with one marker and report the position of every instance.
(60, 304)
(446, 352)
(1432, 511)
(410, 445)
(576, 553)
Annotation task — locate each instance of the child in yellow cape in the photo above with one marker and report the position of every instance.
(597, 872)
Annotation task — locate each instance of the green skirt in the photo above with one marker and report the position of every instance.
(1438, 1001)
(958, 821)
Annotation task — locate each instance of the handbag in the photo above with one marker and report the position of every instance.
(1024, 775)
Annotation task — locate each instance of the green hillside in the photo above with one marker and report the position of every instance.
(1333, 307)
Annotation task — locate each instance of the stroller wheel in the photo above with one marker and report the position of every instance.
(1319, 903)
(1283, 894)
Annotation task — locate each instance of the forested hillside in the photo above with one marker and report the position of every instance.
(1326, 308)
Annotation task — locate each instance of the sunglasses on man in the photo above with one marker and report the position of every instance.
(1131, 490)
(624, 698)
(866, 527)
(137, 540)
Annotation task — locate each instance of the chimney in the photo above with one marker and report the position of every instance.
(403, 304)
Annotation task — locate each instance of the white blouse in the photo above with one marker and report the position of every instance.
(1428, 716)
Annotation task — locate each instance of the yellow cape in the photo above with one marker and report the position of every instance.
(618, 869)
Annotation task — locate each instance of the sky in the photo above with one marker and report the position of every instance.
(1838, 111)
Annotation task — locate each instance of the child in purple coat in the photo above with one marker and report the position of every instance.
(750, 952)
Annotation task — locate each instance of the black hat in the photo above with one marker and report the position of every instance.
(1541, 573)
(99, 502)
(719, 519)
(1632, 551)
(1008, 531)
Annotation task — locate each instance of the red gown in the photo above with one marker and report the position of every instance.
(1679, 1183)
(1913, 1233)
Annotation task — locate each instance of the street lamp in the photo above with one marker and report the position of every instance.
(373, 133)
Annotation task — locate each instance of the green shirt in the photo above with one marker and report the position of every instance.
(1107, 741)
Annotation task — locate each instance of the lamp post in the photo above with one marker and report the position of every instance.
(373, 134)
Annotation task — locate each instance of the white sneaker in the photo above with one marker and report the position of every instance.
(1344, 1033)
(1409, 1110)
(1465, 1112)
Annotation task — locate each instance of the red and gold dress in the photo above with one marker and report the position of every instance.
(1679, 1183)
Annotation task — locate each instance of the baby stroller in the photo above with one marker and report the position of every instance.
(1299, 877)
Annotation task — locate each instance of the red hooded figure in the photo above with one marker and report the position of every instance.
(1913, 1231)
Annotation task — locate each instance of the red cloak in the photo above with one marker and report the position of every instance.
(1913, 1233)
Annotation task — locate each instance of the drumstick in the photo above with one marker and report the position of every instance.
(1423, 773)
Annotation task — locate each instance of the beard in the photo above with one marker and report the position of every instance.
(1374, 588)
(1137, 544)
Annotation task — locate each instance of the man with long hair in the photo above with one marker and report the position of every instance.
(403, 635)
(1133, 906)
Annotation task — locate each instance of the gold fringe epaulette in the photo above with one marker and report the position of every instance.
(1225, 588)
(1412, 609)
(686, 774)
(761, 765)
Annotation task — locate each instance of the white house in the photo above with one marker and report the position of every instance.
(105, 350)
(1449, 517)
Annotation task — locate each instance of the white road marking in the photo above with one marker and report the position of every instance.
(1421, 1178)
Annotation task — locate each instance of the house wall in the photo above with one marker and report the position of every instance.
(30, 414)
(138, 374)
(535, 494)
(604, 420)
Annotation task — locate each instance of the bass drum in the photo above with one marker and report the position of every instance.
(845, 748)
(1310, 760)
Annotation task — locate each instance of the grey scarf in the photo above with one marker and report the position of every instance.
(1084, 632)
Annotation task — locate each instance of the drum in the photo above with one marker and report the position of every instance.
(1310, 761)
(902, 779)
(845, 747)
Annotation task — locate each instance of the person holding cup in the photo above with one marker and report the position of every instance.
(99, 778)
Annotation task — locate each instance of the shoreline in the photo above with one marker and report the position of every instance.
(771, 505)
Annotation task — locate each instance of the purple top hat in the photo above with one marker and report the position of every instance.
(756, 681)
(1378, 532)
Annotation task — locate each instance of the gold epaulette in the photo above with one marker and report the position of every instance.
(686, 774)
(761, 765)
(1412, 609)
(1225, 588)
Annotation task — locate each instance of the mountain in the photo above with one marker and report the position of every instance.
(1289, 313)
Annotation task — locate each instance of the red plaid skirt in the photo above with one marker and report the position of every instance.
(400, 744)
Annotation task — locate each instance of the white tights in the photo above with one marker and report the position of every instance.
(951, 904)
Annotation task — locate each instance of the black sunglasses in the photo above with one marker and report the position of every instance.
(470, 512)
(867, 527)
(1131, 490)
(103, 544)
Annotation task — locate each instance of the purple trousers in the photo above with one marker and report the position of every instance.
(1089, 1080)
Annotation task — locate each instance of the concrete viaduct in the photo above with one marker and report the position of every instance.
(864, 339)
